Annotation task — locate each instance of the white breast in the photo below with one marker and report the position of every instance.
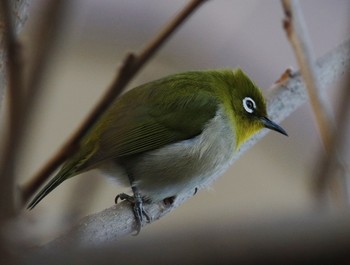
(188, 164)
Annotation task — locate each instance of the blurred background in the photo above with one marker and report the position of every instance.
(272, 179)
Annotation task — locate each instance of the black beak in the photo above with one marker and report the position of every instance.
(273, 126)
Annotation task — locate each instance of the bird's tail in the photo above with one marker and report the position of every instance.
(72, 167)
(61, 176)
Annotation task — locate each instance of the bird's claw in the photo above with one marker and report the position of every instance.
(138, 209)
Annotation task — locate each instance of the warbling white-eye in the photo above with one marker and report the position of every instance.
(172, 135)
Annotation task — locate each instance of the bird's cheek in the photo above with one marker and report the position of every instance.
(244, 133)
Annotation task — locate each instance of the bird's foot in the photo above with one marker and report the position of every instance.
(138, 209)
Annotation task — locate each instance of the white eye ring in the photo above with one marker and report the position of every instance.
(249, 105)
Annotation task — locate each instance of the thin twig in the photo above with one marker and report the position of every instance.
(118, 221)
(130, 67)
(297, 34)
(22, 96)
(15, 99)
(42, 42)
(329, 164)
(20, 11)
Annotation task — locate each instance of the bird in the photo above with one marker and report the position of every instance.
(170, 136)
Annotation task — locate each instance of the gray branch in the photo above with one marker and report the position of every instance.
(117, 221)
(312, 238)
(20, 11)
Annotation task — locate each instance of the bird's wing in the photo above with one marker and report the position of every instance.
(144, 122)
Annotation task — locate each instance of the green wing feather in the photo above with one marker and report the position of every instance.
(154, 115)
(148, 117)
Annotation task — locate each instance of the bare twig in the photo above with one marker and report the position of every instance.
(20, 11)
(8, 29)
(329, 164)
(118, 221)
(42, 42)
(15, 94)
(130, 67)
(298, 36)
(22, 96)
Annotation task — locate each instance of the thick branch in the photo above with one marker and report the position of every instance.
(303, 239)
(117, 221)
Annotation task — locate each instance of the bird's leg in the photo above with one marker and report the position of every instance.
(137, 201)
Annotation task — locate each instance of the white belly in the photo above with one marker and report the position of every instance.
(186, 165)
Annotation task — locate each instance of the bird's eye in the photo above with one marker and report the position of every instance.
(249, 104)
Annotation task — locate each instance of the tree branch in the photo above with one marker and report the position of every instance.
(23, 94)
(15, 100)
(118, 221)
(130, 67)
(12, 19)
(295, 28)
(46, 31)
(331, 165)
(20, 14)
(297, 34)
(312, 238)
